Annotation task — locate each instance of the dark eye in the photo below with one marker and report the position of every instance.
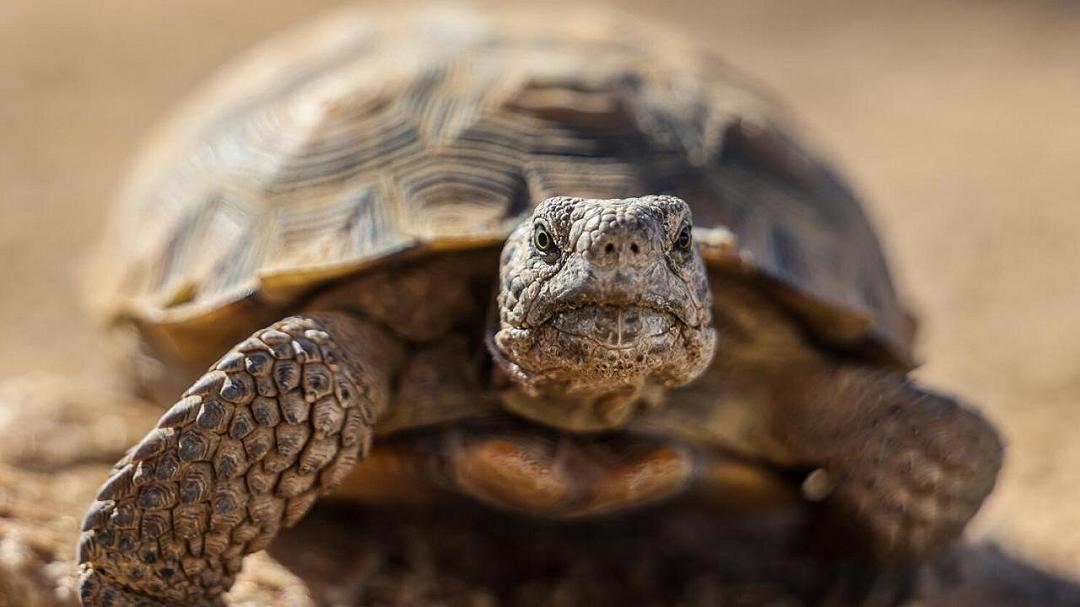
(542, 239)
(684, 239)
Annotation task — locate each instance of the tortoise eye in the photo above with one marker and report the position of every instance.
(684, 239)
(542, 239)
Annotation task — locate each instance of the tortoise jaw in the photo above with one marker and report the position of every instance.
(616, 327)
(653, 290)
(583, 356)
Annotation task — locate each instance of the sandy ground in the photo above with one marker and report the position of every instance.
(957, 120)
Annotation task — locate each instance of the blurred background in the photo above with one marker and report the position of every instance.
(959, 122)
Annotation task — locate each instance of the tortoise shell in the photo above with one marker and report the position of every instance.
(364, 137)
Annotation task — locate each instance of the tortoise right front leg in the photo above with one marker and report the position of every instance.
(275, 423)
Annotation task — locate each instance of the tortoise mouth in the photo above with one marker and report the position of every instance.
(616, 327)
(603, 308)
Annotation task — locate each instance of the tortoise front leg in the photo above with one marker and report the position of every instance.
(275, 423)
(903, 468)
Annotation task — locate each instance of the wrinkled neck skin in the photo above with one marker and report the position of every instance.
(602, 305)
(569, 405)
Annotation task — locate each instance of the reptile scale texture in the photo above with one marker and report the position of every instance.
(563, 268)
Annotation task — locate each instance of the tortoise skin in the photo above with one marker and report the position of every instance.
(278, 421)
(357, 180)
(316, 157)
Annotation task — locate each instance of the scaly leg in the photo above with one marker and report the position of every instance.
(275, 423)
(904, 469)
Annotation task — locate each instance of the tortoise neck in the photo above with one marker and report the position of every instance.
(574, 412)
(551, 404)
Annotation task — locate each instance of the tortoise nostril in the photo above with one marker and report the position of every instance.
(609, 248)
(634, 248)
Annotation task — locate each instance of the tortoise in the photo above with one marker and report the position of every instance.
(562, 267)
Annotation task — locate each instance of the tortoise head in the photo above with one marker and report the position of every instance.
(599, 301)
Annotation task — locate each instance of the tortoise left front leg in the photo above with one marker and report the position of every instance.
(904, 468)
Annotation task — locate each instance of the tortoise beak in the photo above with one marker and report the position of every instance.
(583, 284)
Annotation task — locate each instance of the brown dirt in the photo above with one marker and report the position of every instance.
(957, 120)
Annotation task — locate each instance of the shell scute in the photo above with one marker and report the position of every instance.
(358, 139)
